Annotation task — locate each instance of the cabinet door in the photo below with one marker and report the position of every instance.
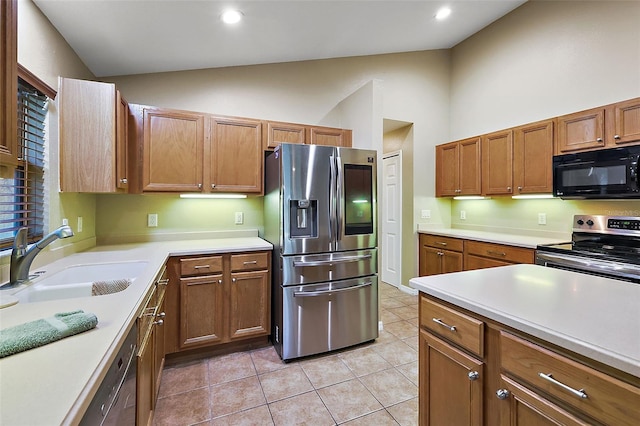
(447, 177)
(533, 158)
(201, 311)
(145, 395)
(88, 137)
(497, 163)
(469, 167)
(430, 261)
(236, 155)
(624, 126)
(329, 136)
(173, 151)
(8, 82)
(122, 140)
(249, 305)
(472, 262)
(580, 131)
(450, 383)
(451, 261)
(523, 407)
(275, 133)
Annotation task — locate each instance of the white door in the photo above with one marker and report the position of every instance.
(391, 245)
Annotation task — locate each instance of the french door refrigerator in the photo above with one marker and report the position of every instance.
(320, 216)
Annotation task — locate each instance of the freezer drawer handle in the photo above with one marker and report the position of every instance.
(329, 292)
(329, 262)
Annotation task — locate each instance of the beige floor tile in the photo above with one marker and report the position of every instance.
(304, 409)
(284, 383)
(364, 361)
(386, 316)
(391, 303)
(267, 359)
(408, 299)
(183, 377)
(348, 400)
(404, 311)
(326, 371)
(405, 413)
(401, 329)
(385, 337)
(258, 416)
(242, 394)
(185, 408)
(379, 418)
(410, 371)
(230, 367)
(396, 353)
(390, 387)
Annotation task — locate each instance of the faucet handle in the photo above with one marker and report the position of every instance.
(20, 240)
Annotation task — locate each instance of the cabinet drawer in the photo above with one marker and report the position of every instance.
(441, 242)
(604, 398)
(201, 265)
(456, 327)
(499, 251)
(249, 261)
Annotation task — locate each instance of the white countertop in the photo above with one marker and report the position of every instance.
(527, 241)
(596, 317)
(53, 384)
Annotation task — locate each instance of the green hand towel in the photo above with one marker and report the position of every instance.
(43, 331)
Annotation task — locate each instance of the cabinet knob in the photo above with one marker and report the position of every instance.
(509, 188)
(199, 186)
(598, 139)
(233, 280)
(502, 394)
(616, 137)
(161, 315)
(124, 181)
(219, 281)
(473, 375)
(213, 186)
(159, 322)
(519, 188)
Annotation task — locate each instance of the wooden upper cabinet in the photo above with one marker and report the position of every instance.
(329, 136)
(623, 122)
(533, 157)
(580, 131)
(497, 163)
(173, 148)
(458, 168)
(93, 137)
(8, 83)
(275, 133)
(236, 155)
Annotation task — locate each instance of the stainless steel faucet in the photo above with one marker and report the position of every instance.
(21, 256)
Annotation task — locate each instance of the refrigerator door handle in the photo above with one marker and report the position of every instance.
(330, 292)
(333, 197)
(332, 261)
(339, 199)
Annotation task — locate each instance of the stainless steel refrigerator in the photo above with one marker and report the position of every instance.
(320, 216)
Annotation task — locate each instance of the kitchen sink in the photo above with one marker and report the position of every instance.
(77, 280)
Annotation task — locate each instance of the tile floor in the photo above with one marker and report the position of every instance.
(370, 384)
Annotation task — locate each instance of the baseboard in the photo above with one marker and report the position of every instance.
(408, 290)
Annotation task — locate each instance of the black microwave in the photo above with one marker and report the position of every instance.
(602, 174)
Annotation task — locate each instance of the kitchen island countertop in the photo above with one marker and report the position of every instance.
(53, 384)
(592, 316)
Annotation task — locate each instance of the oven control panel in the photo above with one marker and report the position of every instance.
(627, 224)
(606, 224)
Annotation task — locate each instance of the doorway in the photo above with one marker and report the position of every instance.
(391, 246)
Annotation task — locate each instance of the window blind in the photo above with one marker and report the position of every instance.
(22, 195)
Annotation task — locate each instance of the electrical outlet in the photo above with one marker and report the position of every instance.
(463, 215)
(65, 222)
(152, 220)
(79, 228)
(542, 218)
(425, 214)
(239, 218)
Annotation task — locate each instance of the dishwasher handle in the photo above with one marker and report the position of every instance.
(330, 292)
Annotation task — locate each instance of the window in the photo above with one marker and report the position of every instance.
(22, 195)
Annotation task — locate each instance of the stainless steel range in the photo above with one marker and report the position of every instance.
(607, 246)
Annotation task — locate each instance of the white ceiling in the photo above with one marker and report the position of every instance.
(121, 37)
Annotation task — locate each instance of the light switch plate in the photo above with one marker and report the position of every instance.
(425, 214)
(463, 215)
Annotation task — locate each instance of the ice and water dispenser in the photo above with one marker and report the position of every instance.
(303, 215)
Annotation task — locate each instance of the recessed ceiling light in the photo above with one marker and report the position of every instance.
(443, 13)
(231, 16)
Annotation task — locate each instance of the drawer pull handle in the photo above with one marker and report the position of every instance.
(439, 321)
(496, 253)
(579, 393)
(473, 375)
(253, 262)
(202, 267)
(441, 243)
(163, 282)
(502, 394)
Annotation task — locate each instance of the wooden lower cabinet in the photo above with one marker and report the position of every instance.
(500, 381)
(220, 298)
(451, 384)
(439, 255)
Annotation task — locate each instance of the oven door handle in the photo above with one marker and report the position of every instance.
(330, 292)
(344, 259)
(588, 265)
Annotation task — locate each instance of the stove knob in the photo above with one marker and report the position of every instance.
(590, 222)
(580, 222)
